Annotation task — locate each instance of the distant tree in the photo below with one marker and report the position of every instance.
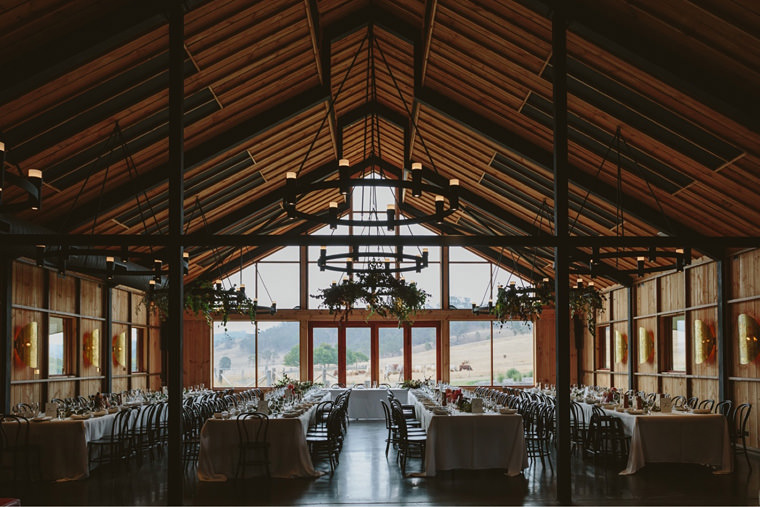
(325, 354)
(353, 357)
(514, 374)
(225, 363)
(293, 357)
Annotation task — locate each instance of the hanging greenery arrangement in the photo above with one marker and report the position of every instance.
(377, 290)
(585, 302)
(208, 299)
(517, 304)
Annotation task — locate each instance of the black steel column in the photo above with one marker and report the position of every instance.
(561, 252)
(724, 282)
(107, 356)
(631, 383)
(6, 351)
(176, 219)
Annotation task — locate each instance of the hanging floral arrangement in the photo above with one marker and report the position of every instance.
(377, 290)
(208, 299)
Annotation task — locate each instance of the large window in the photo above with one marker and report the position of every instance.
(675, 343)
(391, 349)
(255, 355)
(485, 353)
(470, 352)
(325, 355)
(604, 348)
(234, 355)
(469, 279)
(423, 353)
(60, 346)
(513, 353)
(358, 351)
(275, 278)
(136, 348)
(278, 352)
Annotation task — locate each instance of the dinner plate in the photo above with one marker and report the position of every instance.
(508, 411)
(634, 411)
(42, 419)
(80, 417)
(701, 411)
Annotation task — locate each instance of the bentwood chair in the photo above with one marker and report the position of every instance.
(708, 404)
(253, 446)
(724, 408)
(409, 445)
(739, 430)
(16, 453)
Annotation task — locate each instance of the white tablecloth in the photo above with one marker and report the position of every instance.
(675, 437)
(63, 445)
(365, 403)
(288, 452)
(679, 438)
(472, 441)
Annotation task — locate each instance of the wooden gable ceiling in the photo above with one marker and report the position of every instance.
(463, 86)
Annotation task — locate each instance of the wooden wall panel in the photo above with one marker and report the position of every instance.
(619, 302)
(703, 284)
(91, 294)
(63, 293)
(197, 351)
(120, 384)
(671, 293)
(29, 285)
(674, 385)
(120, 305)
(139, 315)
(89, 387)
(604, 379)
(749, 392)
(744, 279)
(646, 297)
(27, 393)
(648, 384)
(61, 389)
(705, 389)
(139, 382)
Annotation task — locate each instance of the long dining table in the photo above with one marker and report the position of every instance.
(365, 402)
(471, 441)
(62, 444)
(674, 437)
(289, 455)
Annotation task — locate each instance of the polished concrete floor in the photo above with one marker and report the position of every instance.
(366, 477)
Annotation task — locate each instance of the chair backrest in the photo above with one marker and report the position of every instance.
(724, 408)
(740, 418)
(252, 427)
(708, 404)
(14, 431)
(400, 421)
(387, 414)
(692, 402)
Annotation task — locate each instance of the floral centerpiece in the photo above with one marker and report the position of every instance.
(294, 387)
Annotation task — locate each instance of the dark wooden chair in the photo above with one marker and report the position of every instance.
(253, 446)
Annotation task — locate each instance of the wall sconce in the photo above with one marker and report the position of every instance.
(621, 347)
(749, 345)
(646, 346)
(120, 349)
(26, 345)
(92, 348)
(704, 342)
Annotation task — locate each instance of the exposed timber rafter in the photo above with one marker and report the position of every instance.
(229, 140)
(487, 128)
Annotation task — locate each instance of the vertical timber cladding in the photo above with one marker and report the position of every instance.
(39, 293)
(744, 299)
(197, 350)
(544, 352)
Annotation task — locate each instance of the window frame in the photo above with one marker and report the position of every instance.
(69, 346)
(666, 343)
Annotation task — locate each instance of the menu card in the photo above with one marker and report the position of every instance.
(263, 406)
(666, 405)
(477, 405)
(51, 409)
